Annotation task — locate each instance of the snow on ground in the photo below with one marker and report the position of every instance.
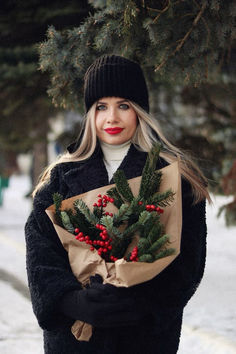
(209, 325)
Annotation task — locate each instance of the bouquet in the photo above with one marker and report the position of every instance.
(127, 232)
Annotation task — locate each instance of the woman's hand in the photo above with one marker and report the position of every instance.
(101, 306)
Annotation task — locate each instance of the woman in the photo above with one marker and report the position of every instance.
(118, 132)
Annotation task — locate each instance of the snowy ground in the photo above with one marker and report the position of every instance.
(210, 317)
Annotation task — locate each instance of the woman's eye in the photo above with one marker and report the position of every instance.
(100, 107)
(124, 106)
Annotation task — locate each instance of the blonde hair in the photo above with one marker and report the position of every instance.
(143, 139)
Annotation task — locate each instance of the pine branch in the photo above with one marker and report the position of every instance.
(57, 200)
(143, 218)
(143, 245)
(156, 231)
(164, 253)
(66, 222)
(113, 193)
(163, 199)
(158, 244)
(122, 186)
(123, 213)
(92, 219)
(154, 183)
(148, 172)
(107, 221)
(146, 258)
(183, 40)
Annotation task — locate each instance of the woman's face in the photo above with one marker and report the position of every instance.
(115, 120)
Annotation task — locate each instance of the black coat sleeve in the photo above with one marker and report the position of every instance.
(48, 269)
(167, 294)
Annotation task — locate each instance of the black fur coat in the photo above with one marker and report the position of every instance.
(50, 276)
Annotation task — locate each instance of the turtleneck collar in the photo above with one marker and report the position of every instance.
(115, 152)
(113, 155)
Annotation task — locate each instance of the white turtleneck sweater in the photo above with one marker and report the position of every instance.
(113, 156)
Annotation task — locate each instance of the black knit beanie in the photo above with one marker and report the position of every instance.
(115, 76)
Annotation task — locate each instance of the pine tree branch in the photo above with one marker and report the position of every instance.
(183, 40)
(158, 244)
(122, 186)
(156, 232)
(113, 193)
(164, 253)
(148, 173)
(113, 232)
(123, 213)
(143, 245)
(163, 199)
(79, 204)
(66, 222)
(57, 200)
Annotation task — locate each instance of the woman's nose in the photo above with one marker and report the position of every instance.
(112, 116)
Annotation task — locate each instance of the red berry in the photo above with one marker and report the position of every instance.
(109, 247)
(80, 234)
(95, 205)
(91, 248)
(106, 213)
(111, 214)
(140, 203)
(99, 195)
(76, 230)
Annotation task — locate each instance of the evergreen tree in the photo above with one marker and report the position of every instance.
(175, 41)
(24, 104)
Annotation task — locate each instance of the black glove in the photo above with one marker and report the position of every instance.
(100, 306)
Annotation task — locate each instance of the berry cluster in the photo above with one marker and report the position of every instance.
(134, 254)
(82, 238)
(103, 201)
(104, 243)
(154, 208)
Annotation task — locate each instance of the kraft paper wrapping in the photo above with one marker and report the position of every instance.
(85, 262)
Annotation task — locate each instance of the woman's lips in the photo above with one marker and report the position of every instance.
(115, 130)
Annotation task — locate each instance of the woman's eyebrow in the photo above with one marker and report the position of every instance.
(121, 101)
(100, 102)
(117, 102)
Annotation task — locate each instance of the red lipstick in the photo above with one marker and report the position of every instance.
(115, 130)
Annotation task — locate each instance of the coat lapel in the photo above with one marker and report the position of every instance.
(87, 175)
